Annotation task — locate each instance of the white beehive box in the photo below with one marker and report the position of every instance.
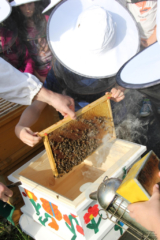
(61, 206)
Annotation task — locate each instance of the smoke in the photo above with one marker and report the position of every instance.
(128, 124)
(133, 129)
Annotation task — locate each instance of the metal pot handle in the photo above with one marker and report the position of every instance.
(105, 178)
(101, 215)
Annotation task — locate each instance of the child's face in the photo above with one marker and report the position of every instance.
(27, 9)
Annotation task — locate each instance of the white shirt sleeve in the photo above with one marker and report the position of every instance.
(16, 86)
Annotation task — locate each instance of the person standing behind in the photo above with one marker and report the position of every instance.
(32, 31)
(144, 12)
(23, 88)
(146, 79)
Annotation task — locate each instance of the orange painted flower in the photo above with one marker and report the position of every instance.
(54, 224)
(66, 219)
(30, 195)
(51, 208)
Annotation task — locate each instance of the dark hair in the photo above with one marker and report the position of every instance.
(10, 25)
(38, 19)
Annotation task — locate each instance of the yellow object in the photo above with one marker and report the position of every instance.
(16, 216)
(131, 189)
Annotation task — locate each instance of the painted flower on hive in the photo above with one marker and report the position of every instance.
(30, 195)
(89, 217)
(48, 207)
(52, 209)
(69, 223)
(33, 200)
(54, 224)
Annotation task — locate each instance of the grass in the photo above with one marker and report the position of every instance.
(9, 232)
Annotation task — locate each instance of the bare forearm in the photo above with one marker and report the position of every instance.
(26, 119)
(31, 114)
(45, 95)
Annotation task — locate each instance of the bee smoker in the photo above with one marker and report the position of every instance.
(115, 207)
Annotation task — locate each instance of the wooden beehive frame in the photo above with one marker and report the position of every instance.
(100, 107)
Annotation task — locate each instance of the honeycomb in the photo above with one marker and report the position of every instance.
(73, 143)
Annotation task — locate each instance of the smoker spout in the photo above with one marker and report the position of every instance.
(93, 195)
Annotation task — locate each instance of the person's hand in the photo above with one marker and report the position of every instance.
(5, 193)
(64, 104)
(152, 39)
(117, 93)
(148, 213)
(27, 136)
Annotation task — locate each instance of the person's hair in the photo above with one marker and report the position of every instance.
(38, 19)
(10, 25)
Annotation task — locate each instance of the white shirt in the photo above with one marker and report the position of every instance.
(16, 86)
(145, 15)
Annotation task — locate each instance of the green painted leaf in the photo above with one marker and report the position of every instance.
(90, 226)
(43, 222)
(36, 206)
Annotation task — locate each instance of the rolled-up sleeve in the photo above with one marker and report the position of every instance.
(16, 86)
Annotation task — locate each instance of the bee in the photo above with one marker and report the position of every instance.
(82, 120)
(51, 143)
(56, 147)
(60, 146)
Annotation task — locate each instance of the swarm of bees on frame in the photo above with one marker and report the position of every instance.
(71, 145)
